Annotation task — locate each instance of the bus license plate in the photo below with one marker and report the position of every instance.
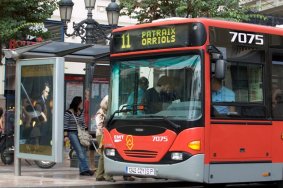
(141, 171)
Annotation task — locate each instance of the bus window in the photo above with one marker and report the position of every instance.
(173, 89)
(277, 86)
(242, 91)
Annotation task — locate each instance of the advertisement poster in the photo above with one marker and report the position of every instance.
(39, 109)
(36, 99)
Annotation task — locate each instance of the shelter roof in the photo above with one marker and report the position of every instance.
(73, 52)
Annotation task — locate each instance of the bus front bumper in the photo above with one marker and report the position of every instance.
(189, 170)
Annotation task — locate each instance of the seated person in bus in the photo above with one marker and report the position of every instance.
(221, 94)
(277, 103)
(143, 85)
(156, 96)
(276, 96)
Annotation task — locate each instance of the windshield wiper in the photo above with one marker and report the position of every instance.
(174, 125)
(125, 109)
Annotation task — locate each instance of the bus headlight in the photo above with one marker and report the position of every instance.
(110, 152)
(177, 156)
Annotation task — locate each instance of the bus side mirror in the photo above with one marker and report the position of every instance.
(220, 67)
(218, 64)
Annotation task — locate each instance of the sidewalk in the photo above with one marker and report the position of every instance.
(61, 175)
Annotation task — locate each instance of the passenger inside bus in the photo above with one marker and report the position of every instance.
(143, 85)
(277, 103)
(221, 93)
(157, 96)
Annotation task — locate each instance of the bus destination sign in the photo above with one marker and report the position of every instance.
(168, 36)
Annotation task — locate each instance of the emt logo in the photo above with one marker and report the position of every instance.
(129, 142)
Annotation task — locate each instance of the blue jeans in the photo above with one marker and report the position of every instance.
(80, 151)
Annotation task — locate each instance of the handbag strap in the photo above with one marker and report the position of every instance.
(78, 127)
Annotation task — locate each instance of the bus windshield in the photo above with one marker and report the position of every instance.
(166, 87)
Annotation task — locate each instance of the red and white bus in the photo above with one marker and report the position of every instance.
(192, 136)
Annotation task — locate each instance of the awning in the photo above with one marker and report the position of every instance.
(72, 52)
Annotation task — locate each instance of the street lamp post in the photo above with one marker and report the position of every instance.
(89, 30)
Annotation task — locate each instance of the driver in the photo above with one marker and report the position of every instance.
(221, 93)
(156, 96)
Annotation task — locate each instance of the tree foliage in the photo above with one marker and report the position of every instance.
(24, 17)
(148, 10)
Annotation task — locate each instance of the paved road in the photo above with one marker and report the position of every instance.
(62, 175)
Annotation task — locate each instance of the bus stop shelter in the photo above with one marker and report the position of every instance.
(94, 55)
(72, 52)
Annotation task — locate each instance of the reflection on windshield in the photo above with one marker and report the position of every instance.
(169, 87)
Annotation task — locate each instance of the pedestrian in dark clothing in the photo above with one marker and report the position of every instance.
(72, 117)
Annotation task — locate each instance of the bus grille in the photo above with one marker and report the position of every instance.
(140, 153)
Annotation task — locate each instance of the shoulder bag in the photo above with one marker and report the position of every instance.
(83, 135)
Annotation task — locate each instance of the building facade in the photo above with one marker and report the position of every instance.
(272, 9)
(267, 7)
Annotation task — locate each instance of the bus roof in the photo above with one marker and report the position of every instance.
(210, 22)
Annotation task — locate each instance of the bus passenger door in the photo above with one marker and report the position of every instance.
(239, 130)
(277, 104)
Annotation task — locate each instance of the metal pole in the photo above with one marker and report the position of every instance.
(91, 99)
(89, 68)
(18, 171)
(16, 126)
(89, 28)
(89, 40)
